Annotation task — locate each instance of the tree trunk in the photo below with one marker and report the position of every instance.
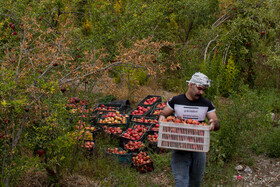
(189, 30)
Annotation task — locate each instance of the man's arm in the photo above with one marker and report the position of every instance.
(213, 120)
(164, 113)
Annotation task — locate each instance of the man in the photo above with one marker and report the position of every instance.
(188, 166)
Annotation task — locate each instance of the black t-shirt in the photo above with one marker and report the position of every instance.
(187, 109)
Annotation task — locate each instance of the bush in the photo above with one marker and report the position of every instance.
(247, 113)
(107, 99)
(272, 142)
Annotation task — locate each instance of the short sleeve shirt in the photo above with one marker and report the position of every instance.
(187, 109)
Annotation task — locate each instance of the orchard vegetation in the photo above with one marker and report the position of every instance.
(104, 50)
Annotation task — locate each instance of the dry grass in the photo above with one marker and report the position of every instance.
(77, 181)
(134, 93)
(34, 179)
(40, 179)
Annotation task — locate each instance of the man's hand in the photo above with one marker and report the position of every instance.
(214, 125)
(165, 112)
(161, 117)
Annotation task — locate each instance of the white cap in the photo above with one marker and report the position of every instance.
(200, 80)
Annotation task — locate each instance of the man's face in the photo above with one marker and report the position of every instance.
(197, 91)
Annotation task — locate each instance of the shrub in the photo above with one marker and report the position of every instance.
(247, 113)
(272, 142)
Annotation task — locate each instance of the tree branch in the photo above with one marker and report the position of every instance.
(103, 69)
(49, 67)
(72, 13)
(221, 18)
(189, 30)
(205, 53)
(59, 81)
(19, 60)
(225, 56)
(86, 75)
(15, 141)
(6, 15)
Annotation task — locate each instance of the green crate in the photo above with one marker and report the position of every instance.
(124, 159)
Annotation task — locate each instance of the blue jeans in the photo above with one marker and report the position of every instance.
(188, 167)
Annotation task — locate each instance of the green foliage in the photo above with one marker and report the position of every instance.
(106, 24)
(229, 79)
(267, 143)
(242, 48)
(272, 142)
(107, 99)
(247, 112)
(212, 69)
(130, 75)
(171, 84)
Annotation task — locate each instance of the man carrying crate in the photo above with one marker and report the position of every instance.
(188, 166)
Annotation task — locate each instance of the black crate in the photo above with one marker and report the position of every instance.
(94, 131)
(145, 167)
(131, 115)
(160, 105)
(89, 136)
(125, 140)
(110, 107)
(123, 125)
(150, 133)
(154, 148)
(135, 150)
(147, 125)
(112, 134)
(142, 102)
(84, 145)
(144, 119)
(155, 112)
(154, 127)
(152, 145)
(102, 113)
(125, 103)
(93, 118)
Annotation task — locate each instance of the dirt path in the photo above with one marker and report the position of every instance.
(265, 172)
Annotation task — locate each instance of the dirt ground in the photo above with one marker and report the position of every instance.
(264, 173)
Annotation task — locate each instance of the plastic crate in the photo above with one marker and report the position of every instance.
(93, 118)
(155, 112)
(140, 115)
(89, 145)
(124, 159)
(154, 128)
(156, 149)
(144, 119)
(134, 150)
(96, 131)
(100, 110)
(112, 129)
(142, 102)
(143, 167)
(152, 144)
(104, 112)
(187, 137)
(147, 125)
(124, 126)
(125, 103)
(125, 140)
(110, 107)
(160, 105)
